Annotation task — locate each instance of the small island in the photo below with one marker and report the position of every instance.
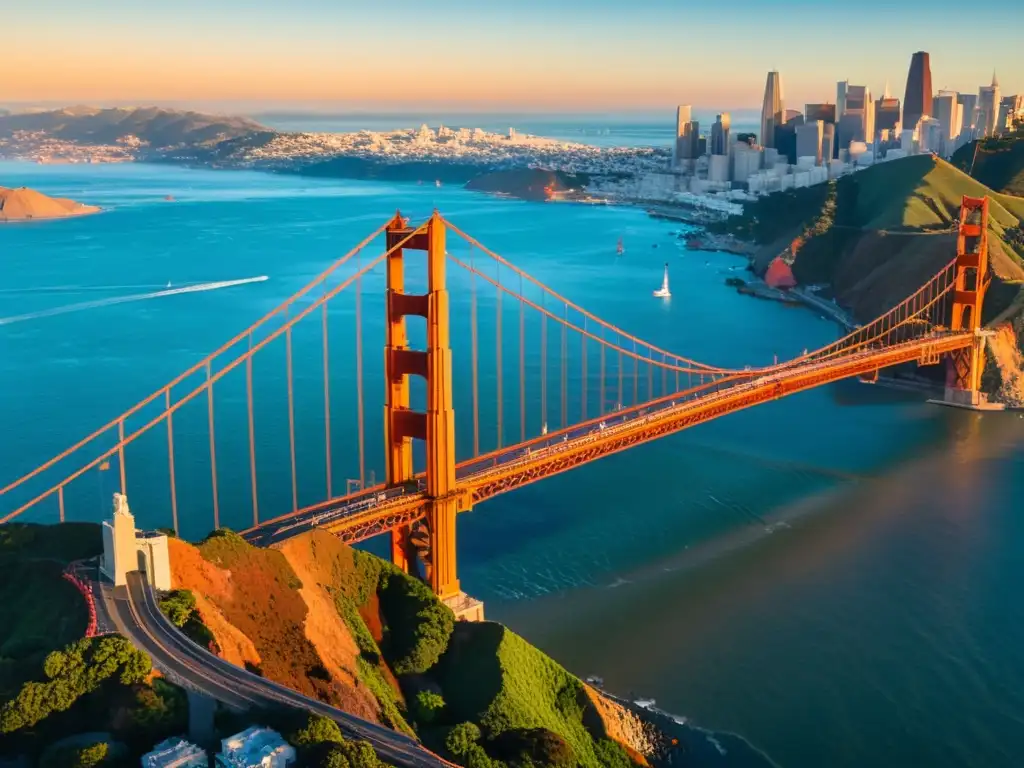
(24, 204)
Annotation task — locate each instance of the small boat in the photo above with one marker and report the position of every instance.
(663, 292)
(645, 703)
(619, 249)
(169, 198)
(437, 182)
(168, 283)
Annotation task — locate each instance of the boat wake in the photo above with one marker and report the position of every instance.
(97, 303)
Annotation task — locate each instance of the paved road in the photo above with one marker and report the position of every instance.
(138, 616)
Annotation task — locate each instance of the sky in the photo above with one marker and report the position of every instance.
(492, 55)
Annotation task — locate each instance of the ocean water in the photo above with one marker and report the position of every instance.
(830, 576)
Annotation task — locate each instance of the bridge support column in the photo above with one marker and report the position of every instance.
(963, 382)
(437, 425)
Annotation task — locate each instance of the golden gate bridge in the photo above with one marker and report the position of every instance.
(625, 392)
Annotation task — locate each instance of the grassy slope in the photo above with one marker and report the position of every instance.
(493, 677)
(891, 235)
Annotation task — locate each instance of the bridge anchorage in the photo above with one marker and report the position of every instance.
(624, 392)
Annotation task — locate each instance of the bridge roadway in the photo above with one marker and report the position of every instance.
(135, 612)
(363, 515)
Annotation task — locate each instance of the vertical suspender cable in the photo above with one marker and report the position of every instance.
(473, 333)
(170, 460)
(522, 363)
(636, 375)
(583, 367)
(359, 371)
(60, 501)
(650, 374)
(564, 366)
(664, 375)
(601, 410)
(498, 351)
(120, 451)
(213, 448)
(543, 366)
(327, 387)
(619, 345)
(291, 417)
(252, 435)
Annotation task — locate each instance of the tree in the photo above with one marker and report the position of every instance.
(427, 707)
(317, 730)
(419, 624)
(80, 668)
(89, 756)
(461, 738)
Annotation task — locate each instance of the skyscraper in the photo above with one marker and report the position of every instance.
(808, 140)
(683, 113)
(917, 102)
(772, 109)
(947, 111)
(887, 112)
(824, 112)
(988, 107)
(968, 114)
(720, 135)
(828, 143)
(841, 87)
(858, 120)
(1009, 108)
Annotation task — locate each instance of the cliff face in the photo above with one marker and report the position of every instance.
(24, 204)
(350, 629)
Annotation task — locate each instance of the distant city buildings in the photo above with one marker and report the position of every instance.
(917, 101)
(857, 122)
(772, 109)
(1010, 109)
(968, 115)
(809, 139)
(687, 137)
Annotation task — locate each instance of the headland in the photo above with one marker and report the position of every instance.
(24, 204)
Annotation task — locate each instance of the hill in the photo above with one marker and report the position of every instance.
(874, 237)
(24, 204)
(997, 162)
(356, 632)
(158, 127)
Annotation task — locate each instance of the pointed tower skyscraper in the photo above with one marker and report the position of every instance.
(917, 102)
(772, 110)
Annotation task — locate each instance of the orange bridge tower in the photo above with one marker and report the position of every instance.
(972, 279)
(436, 427)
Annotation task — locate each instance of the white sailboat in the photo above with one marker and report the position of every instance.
(663, 292)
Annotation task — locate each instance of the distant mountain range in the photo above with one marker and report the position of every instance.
(159, 127)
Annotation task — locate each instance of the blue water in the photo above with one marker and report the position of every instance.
(830, 575)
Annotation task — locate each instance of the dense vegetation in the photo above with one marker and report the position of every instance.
(179, 606)
(54, 683)
(997, 162)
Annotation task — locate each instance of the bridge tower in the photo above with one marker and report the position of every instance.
(971, 276)
(437, 426)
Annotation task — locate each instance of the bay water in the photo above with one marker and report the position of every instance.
(831, 576)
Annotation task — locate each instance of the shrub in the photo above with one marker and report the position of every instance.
(419, 625)
(178, 606)
(534, 747)
(317, 730)
(351, 754)
(427, 707)
(88, 756)
(611, 754)
(461, 738)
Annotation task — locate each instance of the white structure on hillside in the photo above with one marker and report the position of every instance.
(256, 747)
(125, 549)
(175, 753)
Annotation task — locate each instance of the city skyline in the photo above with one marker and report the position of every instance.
(570, 56)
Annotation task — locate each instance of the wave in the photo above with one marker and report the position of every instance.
(97, 303)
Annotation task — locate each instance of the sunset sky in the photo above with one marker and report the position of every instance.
(543, 55)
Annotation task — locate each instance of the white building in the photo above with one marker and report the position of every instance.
(175, 753)
(255, 747)
(125, 549)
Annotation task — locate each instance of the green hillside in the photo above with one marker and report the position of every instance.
(995, 162)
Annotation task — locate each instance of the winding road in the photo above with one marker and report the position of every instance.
(136, 614)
